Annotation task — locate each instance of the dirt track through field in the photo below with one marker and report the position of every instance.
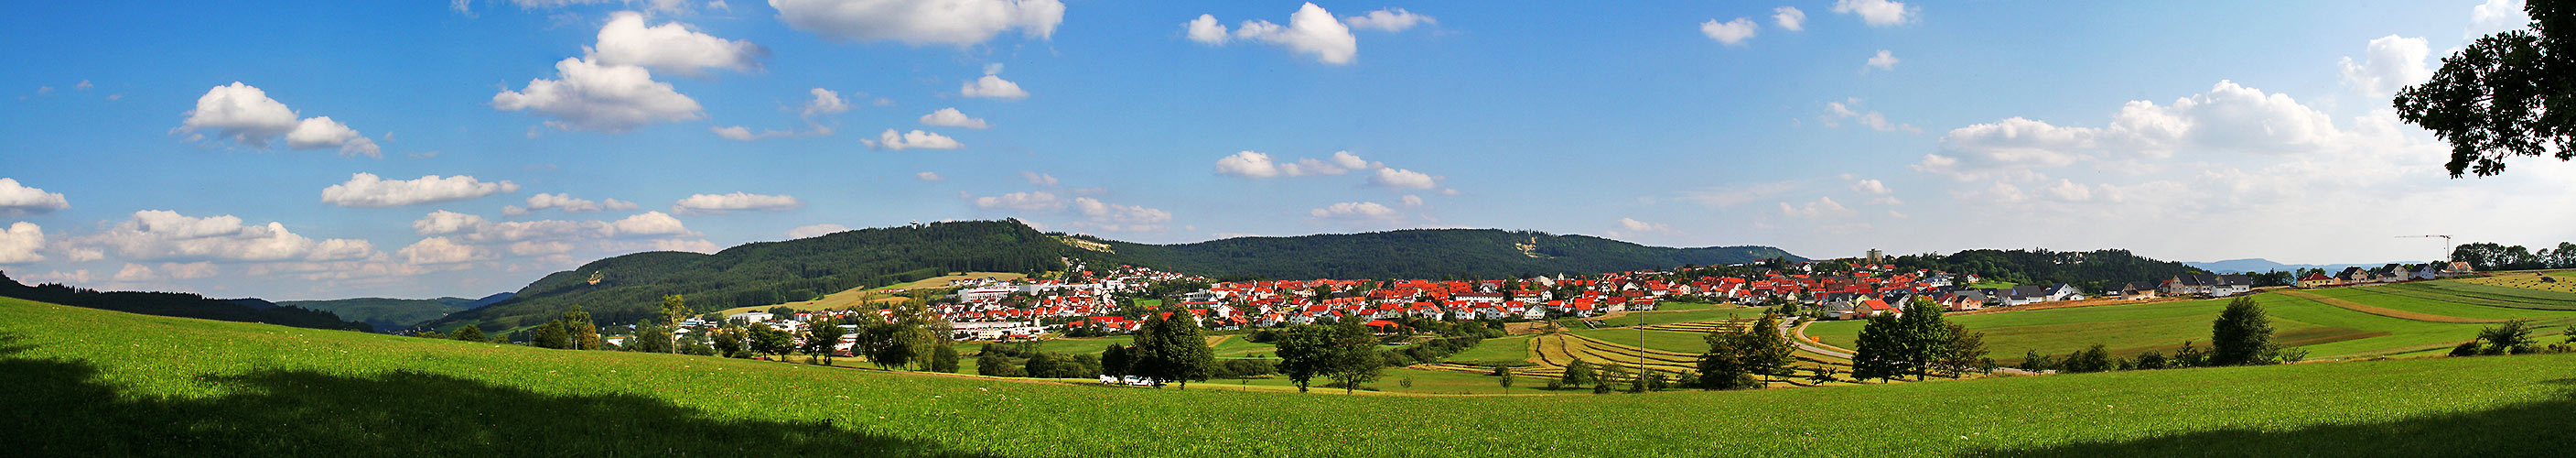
(2383, 311)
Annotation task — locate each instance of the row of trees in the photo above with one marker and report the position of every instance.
(1920, 343)
(1735, 358)
(2489, 256)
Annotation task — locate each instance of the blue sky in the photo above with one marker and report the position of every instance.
(2181, 130)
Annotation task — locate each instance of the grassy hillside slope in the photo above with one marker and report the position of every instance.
(2327, 331)
(112, 384)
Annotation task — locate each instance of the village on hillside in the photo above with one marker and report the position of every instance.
(1085, 302)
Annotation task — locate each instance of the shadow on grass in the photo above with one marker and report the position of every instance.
(2543, 428)
(62, 408)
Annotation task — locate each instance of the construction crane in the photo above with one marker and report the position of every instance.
(2446, 244)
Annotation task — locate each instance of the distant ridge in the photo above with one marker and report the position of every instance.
(182, 305)
(627, 288)
(389, 314)
(2238, 266)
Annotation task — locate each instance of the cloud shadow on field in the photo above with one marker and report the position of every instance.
(63, 408)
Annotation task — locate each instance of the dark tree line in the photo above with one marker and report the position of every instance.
(2096, 270)
(2490, 256)
(182, 305)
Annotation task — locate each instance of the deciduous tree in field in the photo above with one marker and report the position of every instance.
(1305, 351)
(1355, 357)
(1172, 347)
(2512, 337)
(2242, 335)
(1577, 374)
(771, 341)
(674, 310)
(1882, 352)
(1966, 349)
(1766, 352)
(822, 339)
(1923, 337)
(649, 338)
(1041, 365)
(581, 332)
(470, 333)
(1115, 360)
(944, 359)
(550, 335)
(992, 365)
(1505, 373)
(2190, 356)
(731, 341)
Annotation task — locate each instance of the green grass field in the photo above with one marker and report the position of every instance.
(95, 383)
(1501, 350)
(2326, 331)
(855, 297)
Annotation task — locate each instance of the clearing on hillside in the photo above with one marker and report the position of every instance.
(854, 297)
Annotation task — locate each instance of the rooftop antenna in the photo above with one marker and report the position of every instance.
(2446, 244)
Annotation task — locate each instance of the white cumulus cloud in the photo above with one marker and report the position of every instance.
(929, 176)
(1789, 17)
(2392, 63)
(21, 242)
(1029, 201)
(366, 190)
(917, 22)
(950, 117)
(912, 140)
(1823, 207)
(441, 250)
(1310, 31)
(1879, 13)
(1883, 61)
(1733, 33)
(158, 235)
(993, 87)
(18, 199)
(1355, 211)
(1402, 179)
(589, 96)
(1390, 19)
(815, 230)
(712, 204)
(671, 47)
(246, 115)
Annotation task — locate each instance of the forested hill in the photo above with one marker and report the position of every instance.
(182, 305)
(1424, 253)
(628, 288)
(2094, 271)
(387, 313)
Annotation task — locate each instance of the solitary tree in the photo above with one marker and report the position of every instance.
(582, 333)
(823, 339)
(944, 359)
(1766, 351)
(1305, 351)
(771, 341)
(1505, 373)
(551, 335)
(2242, 335)
(1965, 349)
(2508, 94)
(469, 333)
(1882, 351)
(1577, 374)
(1171, 347)
(2512, 337)
(1355, 360)
(1924, 336)
(674, 310)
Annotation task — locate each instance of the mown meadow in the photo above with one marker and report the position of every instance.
(2326, 331)
(97, 383)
